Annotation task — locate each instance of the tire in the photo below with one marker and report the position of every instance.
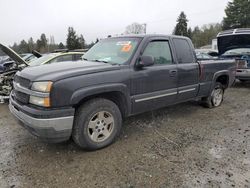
(243, 81)
(97, 124)
(216, 97)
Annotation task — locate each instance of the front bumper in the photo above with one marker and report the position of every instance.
(50, 129)
(243, 74)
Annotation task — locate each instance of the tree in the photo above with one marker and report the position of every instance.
(42, 44)
(23, 47)
(204, 35)
(181, 26)
(81, 41)
(72, 39)
(237, 14)
(31, 44)
(135, 28)
(61, 46)
(189, 33)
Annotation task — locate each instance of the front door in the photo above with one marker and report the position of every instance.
(155, 86)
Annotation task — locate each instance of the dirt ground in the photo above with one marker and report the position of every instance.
(179, 146)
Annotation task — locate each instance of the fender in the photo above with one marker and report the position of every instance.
(217, 75)
(82, 93)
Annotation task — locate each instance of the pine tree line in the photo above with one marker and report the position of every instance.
(45, 45)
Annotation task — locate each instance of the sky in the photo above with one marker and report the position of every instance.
(22, 19)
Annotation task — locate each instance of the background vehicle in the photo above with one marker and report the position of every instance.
(29, 57)
(8, 69)
(57, 57)
(120, 77)
(235, 44)
(201, 55)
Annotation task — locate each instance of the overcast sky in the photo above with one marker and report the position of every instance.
(21, 19)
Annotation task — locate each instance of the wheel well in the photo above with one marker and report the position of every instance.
(117, 97)
(224, 80)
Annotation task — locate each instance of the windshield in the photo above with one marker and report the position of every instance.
(238, 51)
(42, 59)
(112, 50)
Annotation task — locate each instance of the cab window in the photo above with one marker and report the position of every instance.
(160, 51)
(184, 51)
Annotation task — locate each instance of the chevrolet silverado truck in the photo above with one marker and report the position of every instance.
(118, 77)
(235, 44)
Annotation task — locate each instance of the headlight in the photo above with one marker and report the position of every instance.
(39, 101)
(42, 86)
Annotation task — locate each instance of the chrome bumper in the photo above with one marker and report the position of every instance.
(52, 129)
(243, 74)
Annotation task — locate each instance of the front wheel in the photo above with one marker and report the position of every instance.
(216, 97)
(97, 124)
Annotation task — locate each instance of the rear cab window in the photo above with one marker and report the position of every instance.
(184, 51)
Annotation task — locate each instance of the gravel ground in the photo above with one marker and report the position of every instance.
(179, 146)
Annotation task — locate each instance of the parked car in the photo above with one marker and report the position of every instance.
(4, 59)
(29, 57)
(7, 63)
(235, 44)
(57, 57)
(8, 69)
(119, 77)
(201, 55)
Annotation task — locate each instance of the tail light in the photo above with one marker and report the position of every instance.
(241, 64)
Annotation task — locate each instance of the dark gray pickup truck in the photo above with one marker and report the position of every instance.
(119, 77)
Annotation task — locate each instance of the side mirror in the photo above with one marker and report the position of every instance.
(145, 61)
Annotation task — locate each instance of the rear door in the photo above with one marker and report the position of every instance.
(188, 69)
(155, 86)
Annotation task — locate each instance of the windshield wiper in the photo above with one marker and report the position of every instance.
(101, 61)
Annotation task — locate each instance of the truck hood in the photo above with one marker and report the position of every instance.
(12, 54)
(234, 41)
(58, 71)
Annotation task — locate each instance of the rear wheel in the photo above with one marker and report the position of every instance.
(97, 124)
(216, 97)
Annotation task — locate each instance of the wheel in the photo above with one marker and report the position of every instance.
(216, 97)
(97, 124)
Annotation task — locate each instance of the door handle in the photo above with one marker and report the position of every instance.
(172, 73)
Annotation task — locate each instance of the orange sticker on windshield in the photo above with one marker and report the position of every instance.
(126, 48)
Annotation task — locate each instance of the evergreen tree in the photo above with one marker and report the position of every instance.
(31, 44)
(81, 41)
(237, 15)
(61, 46)
(181, 26)
(204, 35)
(42, 44)
(189, 33)
(23, 47)
(72, 39)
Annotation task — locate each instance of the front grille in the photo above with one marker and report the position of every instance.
(22, 81)
(20, 97)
